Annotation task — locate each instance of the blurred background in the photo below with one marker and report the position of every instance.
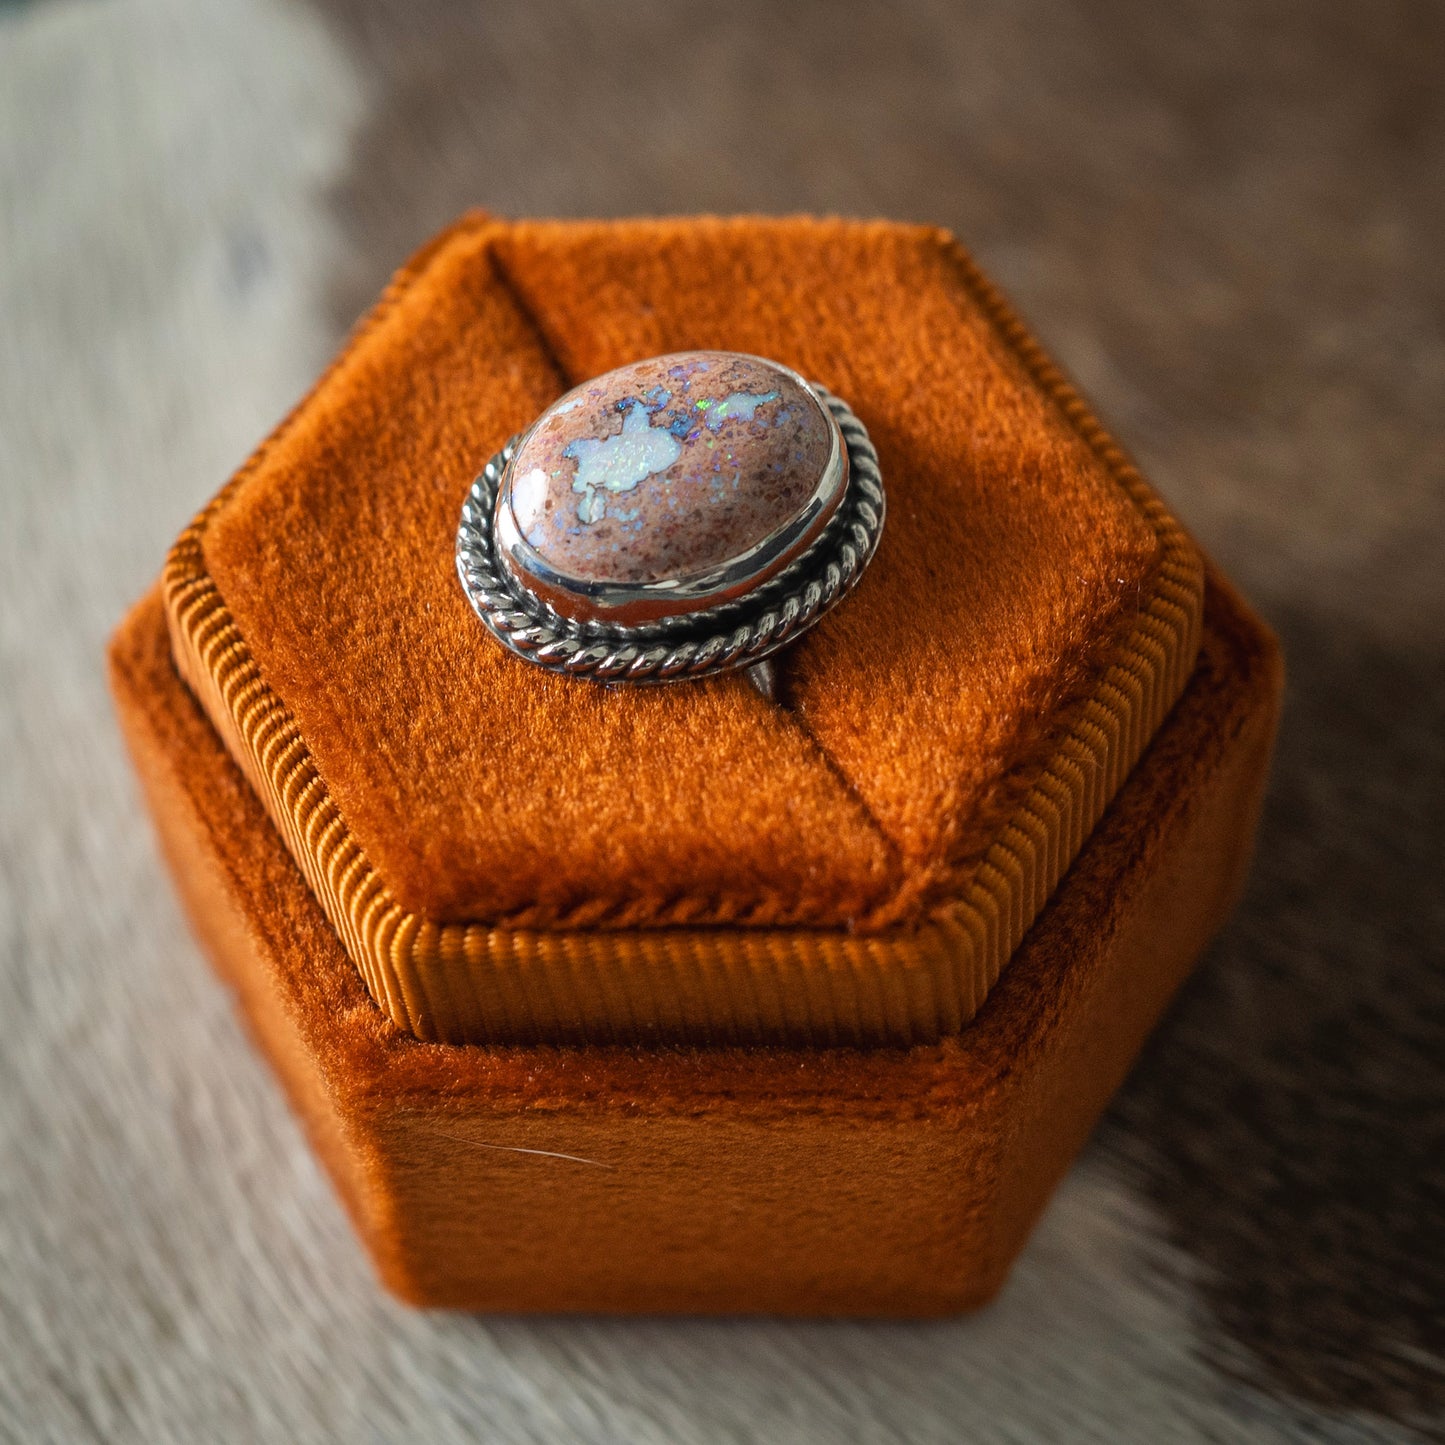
(1225, 217)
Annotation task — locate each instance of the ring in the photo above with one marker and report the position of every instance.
(673, 519)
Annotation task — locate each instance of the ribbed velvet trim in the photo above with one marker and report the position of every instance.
(481, 982)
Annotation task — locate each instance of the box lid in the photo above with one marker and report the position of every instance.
(506, 854)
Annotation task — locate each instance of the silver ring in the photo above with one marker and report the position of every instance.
(734, 611)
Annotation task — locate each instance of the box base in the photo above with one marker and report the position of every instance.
(681, 1180)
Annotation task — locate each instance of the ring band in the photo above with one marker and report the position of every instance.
(696, 636)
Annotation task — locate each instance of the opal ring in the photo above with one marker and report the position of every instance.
(676, 518)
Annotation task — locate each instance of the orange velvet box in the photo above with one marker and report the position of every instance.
(678, 998)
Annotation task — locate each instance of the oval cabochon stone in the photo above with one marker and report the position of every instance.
(668, 468)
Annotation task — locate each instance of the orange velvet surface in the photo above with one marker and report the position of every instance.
(482, 789)
(832, 1181)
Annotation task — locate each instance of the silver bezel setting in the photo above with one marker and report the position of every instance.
(701, 642)
(687, 595)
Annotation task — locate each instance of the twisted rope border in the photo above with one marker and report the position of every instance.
(777, 612)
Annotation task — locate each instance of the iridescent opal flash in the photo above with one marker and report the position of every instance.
(675, 519)
(669, 486)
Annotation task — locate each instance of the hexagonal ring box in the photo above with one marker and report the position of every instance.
(685, 998)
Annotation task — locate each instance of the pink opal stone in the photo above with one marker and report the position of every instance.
(669, 469)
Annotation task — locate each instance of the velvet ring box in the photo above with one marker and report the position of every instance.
(678, 999)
